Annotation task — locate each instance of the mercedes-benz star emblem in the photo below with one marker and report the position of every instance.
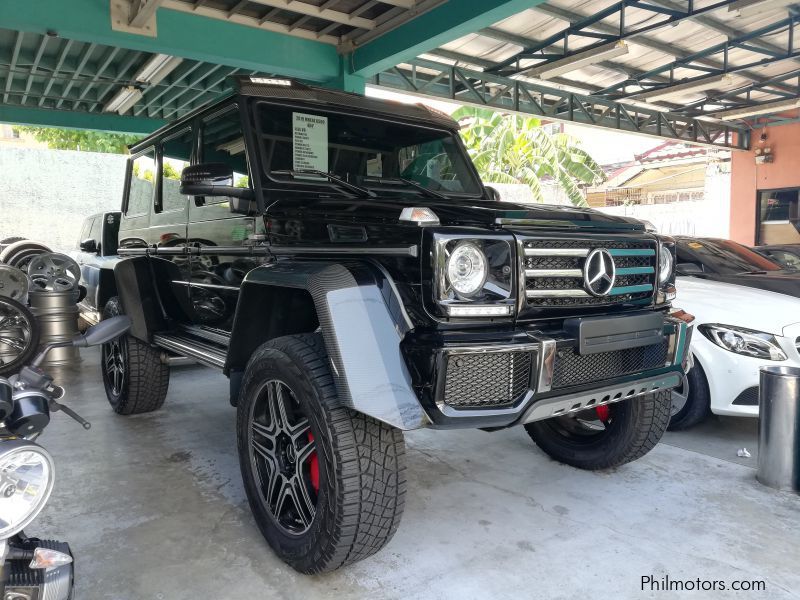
(599, 272)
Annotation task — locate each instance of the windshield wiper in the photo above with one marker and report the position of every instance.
(357, 189)
(425, 191)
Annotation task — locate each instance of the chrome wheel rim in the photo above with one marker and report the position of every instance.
(680, 396)
(114, 362)
(54, 272)
(15, 334)
(283, 456)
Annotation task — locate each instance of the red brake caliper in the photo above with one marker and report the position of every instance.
(313, 466)
(603, 412)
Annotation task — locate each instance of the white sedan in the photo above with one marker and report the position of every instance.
(737, 330)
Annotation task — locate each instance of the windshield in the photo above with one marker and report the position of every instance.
(722, 257)
(367, 152)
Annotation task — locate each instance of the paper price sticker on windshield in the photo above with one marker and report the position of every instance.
(310, 136)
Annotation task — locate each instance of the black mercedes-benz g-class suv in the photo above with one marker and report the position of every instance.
(338, 258)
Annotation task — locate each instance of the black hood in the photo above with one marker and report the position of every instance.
(462, 211)
(781, 282)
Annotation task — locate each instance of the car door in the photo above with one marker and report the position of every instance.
(138, 201)
(90, 263)
(218, 234)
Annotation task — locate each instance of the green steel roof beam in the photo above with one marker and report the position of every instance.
(438, 26)
(112, 84)
(24, 115)
(12, 65)
(76, 74)
(56, 69)
(195, 84)
(179, 34)
(34, 67)
(170, 112)
(110, 55)
(153, 94)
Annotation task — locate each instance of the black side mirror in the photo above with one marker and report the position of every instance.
(688, 269)
(492, 193)
(211, 179)
(88, 245)
(103, 332)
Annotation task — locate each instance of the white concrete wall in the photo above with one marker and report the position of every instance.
(45, 194)
(705, 218)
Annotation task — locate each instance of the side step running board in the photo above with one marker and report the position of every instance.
(202, 352)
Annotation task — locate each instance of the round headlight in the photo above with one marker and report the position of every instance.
(26, 480)
(466, 269)
(664, 264)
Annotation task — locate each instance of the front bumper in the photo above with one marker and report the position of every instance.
(534, 374)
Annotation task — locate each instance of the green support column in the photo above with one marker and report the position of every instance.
(346, 81)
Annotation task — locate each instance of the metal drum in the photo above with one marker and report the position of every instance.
(779, 428)
(57, 314)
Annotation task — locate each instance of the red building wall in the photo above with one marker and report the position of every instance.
(747, 177)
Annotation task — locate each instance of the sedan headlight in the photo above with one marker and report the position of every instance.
(665, 264)
(744, 341)
(26, 480)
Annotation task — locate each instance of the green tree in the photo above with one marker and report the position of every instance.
(82, 139)
(514, 149)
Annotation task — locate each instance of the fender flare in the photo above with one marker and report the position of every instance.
(362, 321)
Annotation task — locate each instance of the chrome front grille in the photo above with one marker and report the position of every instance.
(553, 271)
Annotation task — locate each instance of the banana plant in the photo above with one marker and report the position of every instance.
(514, 149)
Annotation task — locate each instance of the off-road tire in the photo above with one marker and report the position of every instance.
(636, 427)
(698, 404)
(361, 461)
(145, 377)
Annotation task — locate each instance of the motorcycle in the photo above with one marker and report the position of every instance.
(32, 568)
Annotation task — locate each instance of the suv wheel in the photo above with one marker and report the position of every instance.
(691, 402)
(135, 378)
(606, 436)
(326, 484)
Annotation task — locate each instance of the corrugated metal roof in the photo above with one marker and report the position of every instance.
(770, 55)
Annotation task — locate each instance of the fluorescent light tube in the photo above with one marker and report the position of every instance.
(578, 60)
(761, 109)
(716, 82)
(157, 68)
(233, 147)
(123, 100)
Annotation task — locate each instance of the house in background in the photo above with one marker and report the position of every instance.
(680, 189)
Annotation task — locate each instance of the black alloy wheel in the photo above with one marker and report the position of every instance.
(115, 360)
(284, 457)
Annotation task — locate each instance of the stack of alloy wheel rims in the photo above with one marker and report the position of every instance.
(53, 297)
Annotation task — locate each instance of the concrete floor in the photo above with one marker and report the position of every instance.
(154, 508)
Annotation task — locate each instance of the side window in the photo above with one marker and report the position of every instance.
(222, 141)
(96, 233)
(430, 162)
(86, 230)
(140, 193)
(176, 153)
